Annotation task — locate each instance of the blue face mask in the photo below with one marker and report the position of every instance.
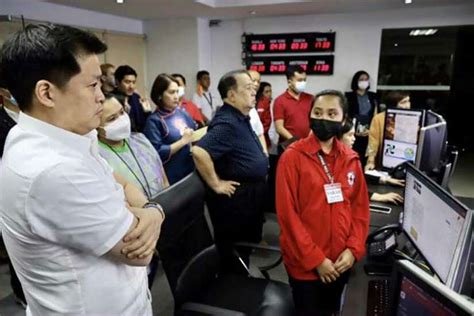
(13, 101)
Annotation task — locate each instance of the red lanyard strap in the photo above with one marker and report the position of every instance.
(325, 167)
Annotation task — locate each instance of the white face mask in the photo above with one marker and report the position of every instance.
(300, 86)
(363, 85)
(119, 129)
(180, 92)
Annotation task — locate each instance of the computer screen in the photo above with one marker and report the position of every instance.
(431, 147)
(417, 293)
(400, 141)
(435, 222)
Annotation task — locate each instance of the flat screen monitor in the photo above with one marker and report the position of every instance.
(400, 142)
(431, 147)
(414, 292)
(436, 223)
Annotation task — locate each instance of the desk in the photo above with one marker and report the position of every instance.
(355, 300)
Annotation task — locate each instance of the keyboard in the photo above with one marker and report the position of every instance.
(378, 297)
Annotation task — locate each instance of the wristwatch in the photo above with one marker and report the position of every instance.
(156, 206)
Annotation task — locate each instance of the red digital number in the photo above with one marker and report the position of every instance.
(295, 46)
(318, 45)
(304, 46)
(325, 68)
(261, 47)
(326, 44)
(273, 46)
(304, 66)
(254, 67)
(273, 68)
(281, 68)
(254, 47)
(281, 46)
(261, 68)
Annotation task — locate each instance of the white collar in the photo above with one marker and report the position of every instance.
(12, 114)
(76, 142)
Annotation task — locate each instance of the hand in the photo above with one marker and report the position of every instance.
(141, 241)
(397, 182)
(327, 272)
(345, 261)
(226, 187)
(369, 166)
(363, 134)
(391, 197)
(145, 105)
(187, 136)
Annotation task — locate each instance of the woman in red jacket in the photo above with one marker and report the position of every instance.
(322, 208)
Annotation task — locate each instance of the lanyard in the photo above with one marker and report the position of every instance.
(209, 100)
(325, 167)
(147, 193)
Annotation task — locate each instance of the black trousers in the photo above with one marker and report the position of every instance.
(314, 298)
(238, 218)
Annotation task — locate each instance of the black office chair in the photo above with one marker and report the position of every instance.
(191, 262)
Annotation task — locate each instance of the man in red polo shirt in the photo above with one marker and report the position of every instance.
(291, 109)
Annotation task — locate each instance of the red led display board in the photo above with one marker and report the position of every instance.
(289, 43)
(277, 65)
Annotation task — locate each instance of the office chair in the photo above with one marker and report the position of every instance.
(191, 262)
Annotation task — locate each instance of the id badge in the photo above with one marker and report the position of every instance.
(333, 193)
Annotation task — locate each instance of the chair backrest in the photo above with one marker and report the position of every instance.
(185, 232)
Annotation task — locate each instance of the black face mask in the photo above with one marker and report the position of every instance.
(325, 129)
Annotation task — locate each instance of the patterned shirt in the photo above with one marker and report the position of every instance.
(138, 162)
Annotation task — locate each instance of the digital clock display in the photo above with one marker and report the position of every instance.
(289, 43)
(313, 65)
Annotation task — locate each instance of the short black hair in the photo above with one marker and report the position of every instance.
(290, 71)
(229, 82)
(334, 93)
(44, 52)
(355, 80)
(393, 97)
(122, 71)
(179, 76)
(201, 74)
(119, 97)
(160, 85)
(348, 125)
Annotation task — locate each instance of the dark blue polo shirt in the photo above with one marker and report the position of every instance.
(234, 148)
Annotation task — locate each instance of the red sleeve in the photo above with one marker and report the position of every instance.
(278, 110)
(360, 215)
(297, 244)
(264, 113)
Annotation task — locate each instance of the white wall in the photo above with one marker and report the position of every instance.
(172, 46)
(358, 37)
(50, 12)
(204, 43)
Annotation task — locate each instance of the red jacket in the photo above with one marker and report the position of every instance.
(312, 229)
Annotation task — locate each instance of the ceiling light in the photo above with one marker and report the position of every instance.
(119, 1)
(396, 44)
(423, 32)
(253, 12)
(408, 1)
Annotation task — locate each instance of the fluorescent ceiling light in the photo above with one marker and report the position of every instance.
(119, 1)
(408, 1)
(424, 32)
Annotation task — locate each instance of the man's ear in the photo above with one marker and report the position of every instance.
(45, 92)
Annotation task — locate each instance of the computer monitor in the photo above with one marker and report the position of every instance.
(400, 141)
(436, 223)
(431, 147)
(414, 292)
